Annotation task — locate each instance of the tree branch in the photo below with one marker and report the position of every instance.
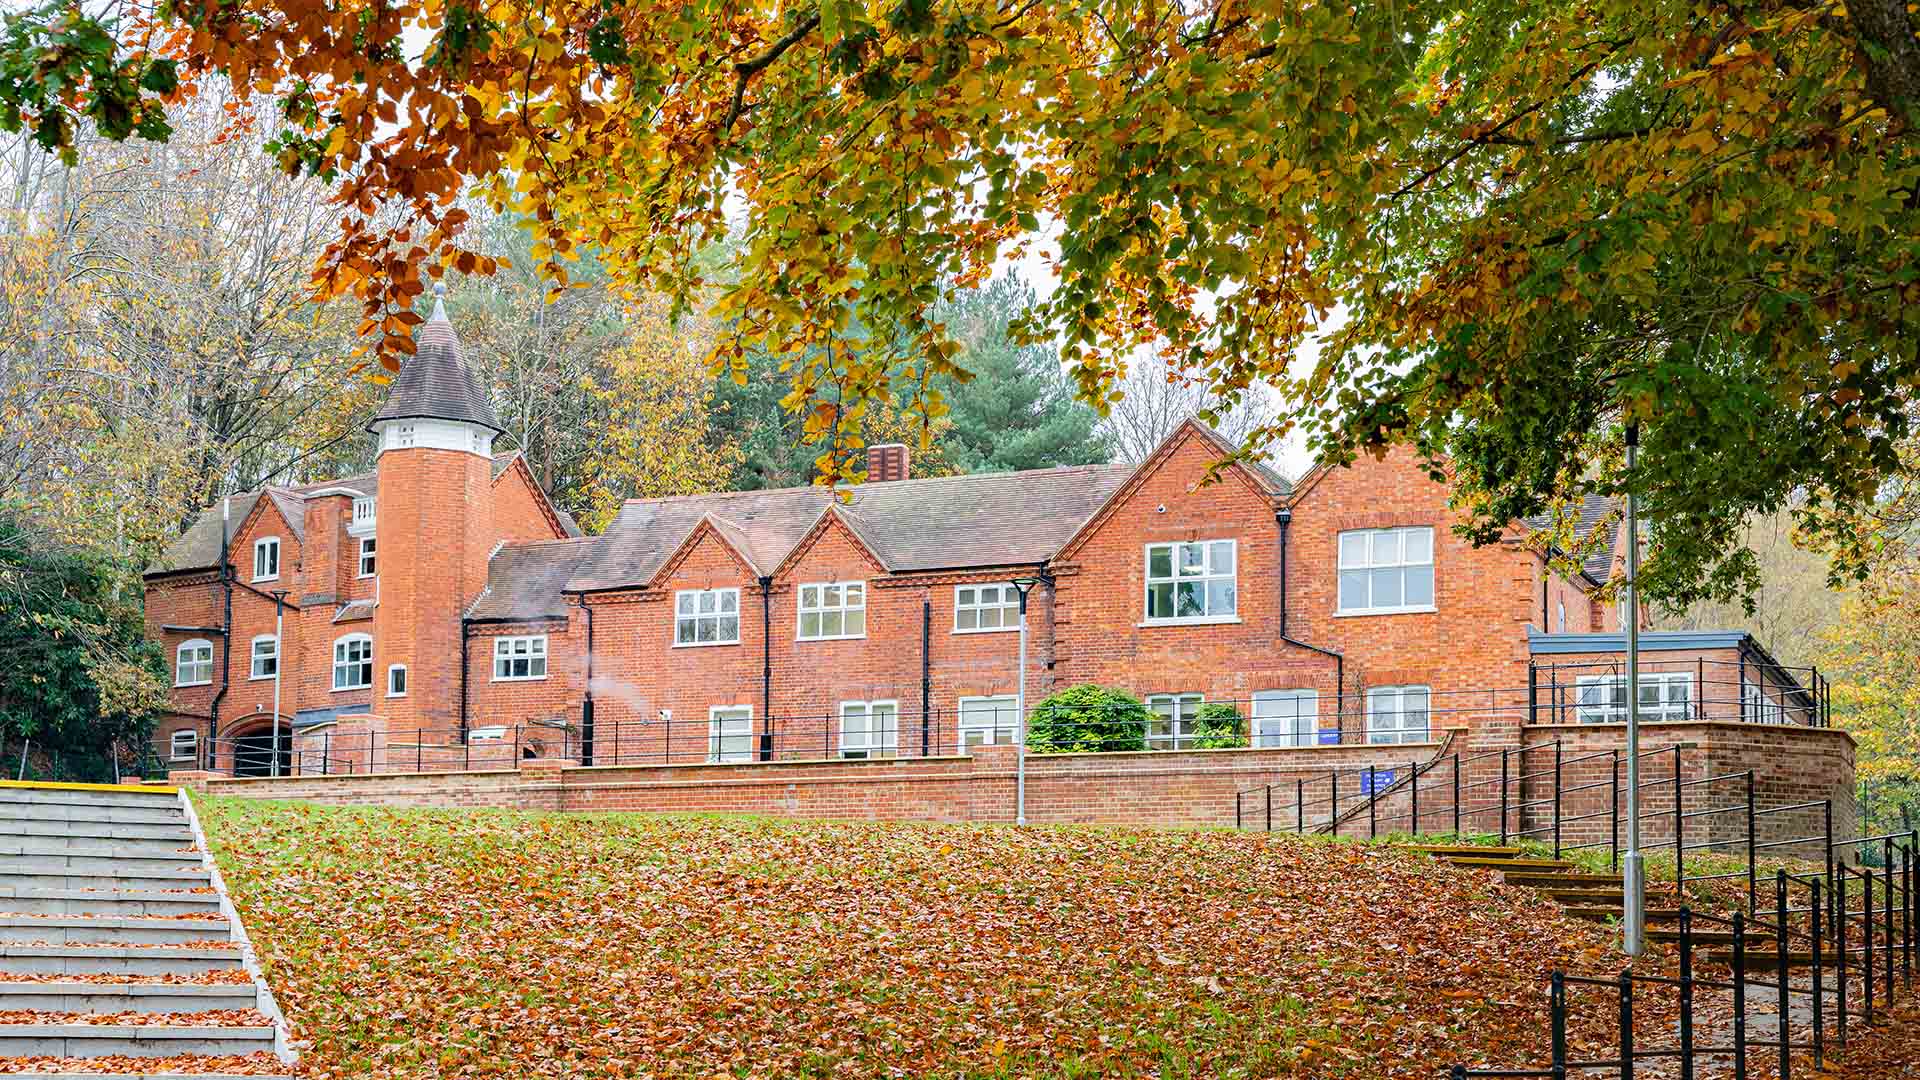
(745, 70)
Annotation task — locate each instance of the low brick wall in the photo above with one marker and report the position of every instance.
(1191, 788)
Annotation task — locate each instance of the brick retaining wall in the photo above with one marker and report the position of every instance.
(1191, 788)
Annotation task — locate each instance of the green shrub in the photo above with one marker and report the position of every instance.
(1218, 726)
(1086, 719)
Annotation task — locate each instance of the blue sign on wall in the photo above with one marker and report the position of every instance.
(1375, 782)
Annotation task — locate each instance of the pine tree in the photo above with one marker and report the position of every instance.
(1017, 412)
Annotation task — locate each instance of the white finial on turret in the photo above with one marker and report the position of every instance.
(439, 302)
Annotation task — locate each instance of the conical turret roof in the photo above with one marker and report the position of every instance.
(435, 383)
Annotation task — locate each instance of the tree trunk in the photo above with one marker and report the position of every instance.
(1891, 54)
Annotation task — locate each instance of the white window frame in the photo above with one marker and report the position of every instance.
(254, 657)
(181, 664)
(1285, 718)
(1563, 616)
(400, 670)
(1666, 707)
(845, 609)
(1399, 732)
(1005, 609)
(873, 744)
(1176, 577)
(363, 511)
(1181, 716)
(344, 660)
(530, 648)
(497, 733)
(368, 559)
(266, 559)
(190, 751)
(1001, 726)
(719, 718)
(1401, 532)
(718, 616)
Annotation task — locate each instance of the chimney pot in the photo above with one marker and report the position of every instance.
(886, 461)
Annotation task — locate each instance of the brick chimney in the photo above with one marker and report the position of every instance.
(886, 461)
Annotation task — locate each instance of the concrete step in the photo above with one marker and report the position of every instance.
(5, 1075)
(95, 813)
(13, 847)
(89, 795)
(93, 997)
(1769, 959)
(1508, 863)
(119, 930)
(95, 830)
(132, 1040)
(16, 876)
(107, 902)
(1548, 881)
(1602, 913)
(1703, 938)
(1483, 850)
(1576, 895)
(127, 863)
(160, 813)
(113, 960)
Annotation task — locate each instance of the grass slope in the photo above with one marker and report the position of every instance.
(417, 943)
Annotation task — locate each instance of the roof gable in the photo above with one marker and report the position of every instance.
(515, 463)
(1262, 482)
(833, 518)
(728, 535)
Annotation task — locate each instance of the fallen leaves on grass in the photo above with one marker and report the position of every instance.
(483, 943)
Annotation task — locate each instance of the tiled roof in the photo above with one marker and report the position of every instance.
(199, 547)
(1596, 511)
(524, 581)
(435, 382)
(984, 519)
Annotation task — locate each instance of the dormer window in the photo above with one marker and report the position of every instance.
(266, 559)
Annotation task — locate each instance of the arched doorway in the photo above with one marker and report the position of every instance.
(252, 746)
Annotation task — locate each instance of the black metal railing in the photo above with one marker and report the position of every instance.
(1697, 689)
(1856, 960)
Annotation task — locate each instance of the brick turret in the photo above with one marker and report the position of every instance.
(435, 527)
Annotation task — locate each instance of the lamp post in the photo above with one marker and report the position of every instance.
(1633, 868)
(1023, 586)
(279, 661)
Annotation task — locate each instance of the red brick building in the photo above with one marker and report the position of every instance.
(442, 608)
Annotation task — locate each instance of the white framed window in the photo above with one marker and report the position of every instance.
(1286, 717)
(266, 558)
(869, 729)
(1173, 719)
(366, 558)
(266, 657)
(1192, 582)
(402, 436)
(397, 680)
(353, 662)
(184, 745)
(830, 610)
(989, 721)
(730, 733)
(193, 663)
(1383, 571)
(1399, 714)
(1664, 695)
(363, 512)
(985, 609)
(519, 658)
(1563, 616)
(706, 617)
(486, 734)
